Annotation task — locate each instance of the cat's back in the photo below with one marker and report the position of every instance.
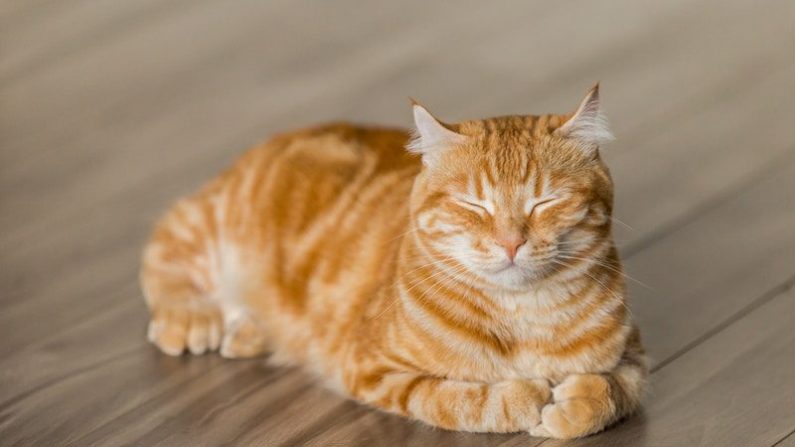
(325, 172)
(336, 149)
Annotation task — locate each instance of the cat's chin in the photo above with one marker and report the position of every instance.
(514, 277)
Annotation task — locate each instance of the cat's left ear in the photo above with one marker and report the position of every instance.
(588, 124)
(432, 137)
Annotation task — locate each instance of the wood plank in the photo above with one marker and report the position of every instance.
(714, 266)
(789, 441)
(34, 38)
(13, 11)
(703, 157)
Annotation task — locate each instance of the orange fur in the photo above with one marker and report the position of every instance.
(336, 249)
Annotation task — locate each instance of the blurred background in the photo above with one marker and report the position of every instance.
(111, 109)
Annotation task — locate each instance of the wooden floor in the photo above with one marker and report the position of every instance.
(110, 109)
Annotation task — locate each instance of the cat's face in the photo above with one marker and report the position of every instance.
(512, 200)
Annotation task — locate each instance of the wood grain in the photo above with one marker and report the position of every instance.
(789, 441)
(110, 109)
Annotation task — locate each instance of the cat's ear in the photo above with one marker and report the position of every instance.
(588, 124)
(431, 137)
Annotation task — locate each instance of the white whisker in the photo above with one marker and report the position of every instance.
(604, 287)
(456, 268)
(605, 265)
(625, 225)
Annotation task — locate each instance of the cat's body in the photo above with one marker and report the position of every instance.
(335, 249)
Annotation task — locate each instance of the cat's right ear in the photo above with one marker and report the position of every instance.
(588, 124)
(431, 137)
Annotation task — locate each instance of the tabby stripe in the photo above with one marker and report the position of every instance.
(469, 329)
(457, 299)
(591, 339)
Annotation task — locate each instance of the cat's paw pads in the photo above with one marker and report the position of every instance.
(581, 406)
(244, 337)
(197, 327)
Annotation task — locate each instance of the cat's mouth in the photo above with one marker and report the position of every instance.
(506, 266)
(519, 270)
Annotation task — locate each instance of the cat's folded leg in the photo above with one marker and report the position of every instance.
(587, 403)
(508, 406)
(178, 283)
(199, 325)
(181, 315)
(196, 326)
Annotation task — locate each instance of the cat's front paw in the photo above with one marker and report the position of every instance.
(581, 406)
(195, 326)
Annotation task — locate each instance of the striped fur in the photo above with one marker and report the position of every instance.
(334, 248)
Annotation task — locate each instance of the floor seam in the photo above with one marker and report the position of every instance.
(711, 203)
(737, 316)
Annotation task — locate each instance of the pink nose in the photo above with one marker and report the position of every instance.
(511, 246)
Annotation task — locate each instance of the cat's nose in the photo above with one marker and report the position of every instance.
(511, 245)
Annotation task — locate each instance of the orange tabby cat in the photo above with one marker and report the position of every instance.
(477, 290)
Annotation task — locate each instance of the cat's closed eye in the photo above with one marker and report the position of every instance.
(538, 204)
(480, 208)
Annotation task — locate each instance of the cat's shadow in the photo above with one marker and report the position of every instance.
(627, 432)
(375, 429)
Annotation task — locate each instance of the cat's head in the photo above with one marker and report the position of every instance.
(513, 199)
